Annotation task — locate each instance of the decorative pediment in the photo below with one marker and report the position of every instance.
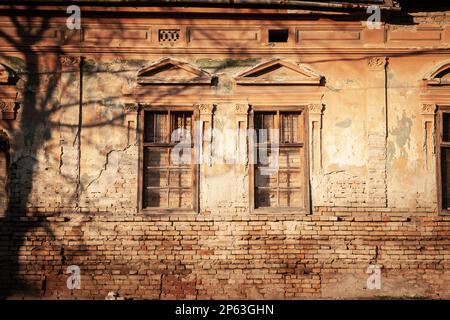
(169, 71)
(279, 72)
(440, 75)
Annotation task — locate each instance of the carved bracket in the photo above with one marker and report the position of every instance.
(131, 108)
(205, 109)
(8, 110)
(241, 109)
(428, 109)
(70, 63)
(315, 109)
(377, 63)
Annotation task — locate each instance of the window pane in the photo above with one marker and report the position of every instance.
(180, 199)
(445, 176)
(290, 129)
(156, 198)
(291, 198)
(180, 177)
(263, 179)
(181, 125)
(156, 157)
(266, 198)
(290, 158)
(156, 127)
(264, 122)
(155, 178)
(289, 179)
(446, 127)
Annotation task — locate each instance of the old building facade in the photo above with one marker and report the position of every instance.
(225, 150)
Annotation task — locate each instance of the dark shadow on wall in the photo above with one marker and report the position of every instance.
(39, 91)
(13, 231)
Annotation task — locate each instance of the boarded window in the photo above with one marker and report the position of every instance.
(279, 166)
(168, 160)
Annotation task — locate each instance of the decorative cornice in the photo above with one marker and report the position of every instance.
(263, 50)
(428, 109)
(376, 63)
(315, 108)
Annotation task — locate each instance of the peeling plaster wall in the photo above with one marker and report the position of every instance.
(109, 160)
(410, 184)
(225, 184)
(97, 170)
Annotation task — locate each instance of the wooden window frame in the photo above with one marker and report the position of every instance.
(306, 175)
(195, 166)
(441, 109)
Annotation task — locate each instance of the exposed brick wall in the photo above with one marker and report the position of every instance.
(229, 256)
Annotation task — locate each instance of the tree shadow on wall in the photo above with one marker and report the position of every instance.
(29, 150)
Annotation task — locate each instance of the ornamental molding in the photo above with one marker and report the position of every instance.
(428, 108)
(241, 108)
(131, 107)
(376, 63)
(315, 108)
(70, 61)
(169, 71)
(205, 108)
(279, 72)
(8, 109)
